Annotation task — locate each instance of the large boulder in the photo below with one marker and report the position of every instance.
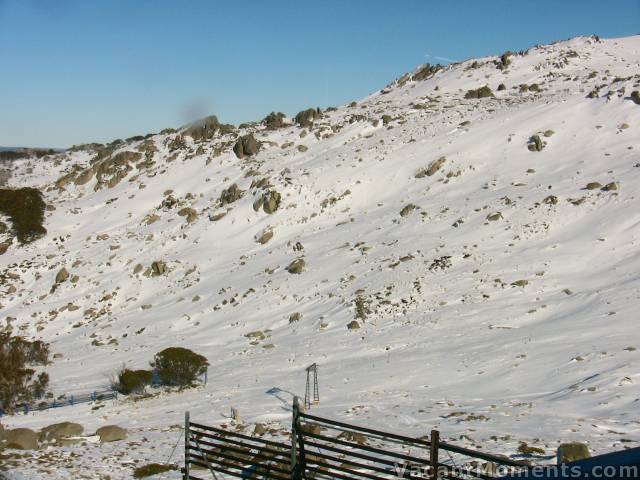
(271, 201)
(230, 194)
(21, 438)
(111, 433)
(306, 117)
(246, 146)
(570, 452)
(59, 431)
(297, 266)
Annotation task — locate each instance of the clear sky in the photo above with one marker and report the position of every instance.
(95, 70)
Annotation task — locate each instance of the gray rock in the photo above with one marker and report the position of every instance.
(271, 201)
(111, 433)
(570, 452)
(21, 438)
(59, 431)
(62, 275)
(297, 266)
(259, 429)
(158, 268)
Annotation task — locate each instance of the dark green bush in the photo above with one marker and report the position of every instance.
(179, 366)
(18, 382)
(274, 120)
(25, 207)
(152, 469)
(635, 96)
(133, 381)
(481, 92)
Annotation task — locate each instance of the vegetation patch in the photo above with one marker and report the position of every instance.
(133, 381)
(306, 117)
(25, 207)
(482, 92)
(152, 469)
(18, 382)
(274, 120)
(179, 366)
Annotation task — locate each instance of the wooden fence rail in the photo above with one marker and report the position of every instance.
(321, 448)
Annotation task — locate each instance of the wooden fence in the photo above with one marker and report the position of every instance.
(321, 449)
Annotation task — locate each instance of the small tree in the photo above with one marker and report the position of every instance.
(18, 382)
(179, 366)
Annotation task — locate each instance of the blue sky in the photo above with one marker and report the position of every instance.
(89, 70)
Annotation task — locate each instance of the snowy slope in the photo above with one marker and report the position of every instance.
(551, 359)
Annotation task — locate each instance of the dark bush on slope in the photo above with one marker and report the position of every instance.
(133, 381)
(25, 207)
(481, 92)
(18, 382)
(179, 366)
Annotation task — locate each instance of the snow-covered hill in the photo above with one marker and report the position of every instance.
(495, 295)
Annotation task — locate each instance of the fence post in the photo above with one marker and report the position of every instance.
(71, 400)
(186, 445)
(294, 440)
(298, 462)
(433, 454)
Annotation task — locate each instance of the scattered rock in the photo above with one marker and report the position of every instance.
(570, 452)
(62, 275)
(295, 317)
(270, 201)
(111, 433)
(492, 217)
(60, 431)
(21, 439)
(353, 325)
(265, 236)
(535, 143)
(593, 185)
(306, 117)
(190, 213)
(230, 195)
(259, 429)
(246, 146)
(158, 268)
(432, 168)
(609, 187)
(297, 266)
(354, 437)
(529, 450)
(407, 210)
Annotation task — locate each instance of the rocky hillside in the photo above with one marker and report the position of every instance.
(459, 250)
